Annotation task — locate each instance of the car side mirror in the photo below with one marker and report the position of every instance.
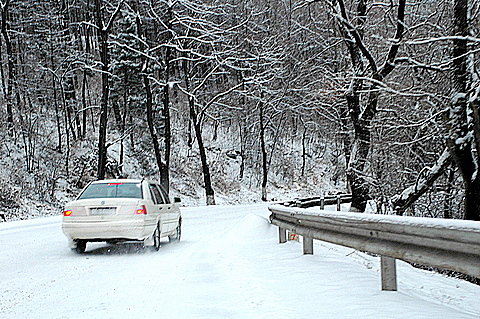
(177, 200)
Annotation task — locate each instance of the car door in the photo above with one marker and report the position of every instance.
(159, 209)
(172, 210)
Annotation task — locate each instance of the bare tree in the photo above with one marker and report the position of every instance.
(362, 113)
(204, 64)
(103, 31)
(462, 137)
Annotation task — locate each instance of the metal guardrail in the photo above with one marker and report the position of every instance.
(320, 201)
(446, 244)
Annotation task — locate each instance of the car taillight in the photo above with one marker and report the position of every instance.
(141, 210)
(67, 212)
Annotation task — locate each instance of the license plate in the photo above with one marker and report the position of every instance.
(103, 211)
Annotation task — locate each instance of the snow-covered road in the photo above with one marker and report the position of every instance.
(228, 265)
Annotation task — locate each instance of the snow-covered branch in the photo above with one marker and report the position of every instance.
(442, 39)
(406, 198)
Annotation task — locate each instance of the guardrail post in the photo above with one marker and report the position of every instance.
(388, 273)
(282, 235)
(307, 246)
(322, 203)
(339, 201)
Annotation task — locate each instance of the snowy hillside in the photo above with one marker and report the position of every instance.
(43, 193)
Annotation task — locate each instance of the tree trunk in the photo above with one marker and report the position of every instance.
(151, 127)
(118, 116)
(10, 62)
(347, 145)
(57, 116)
(102, 134)
(304, 149)
(460, 144)
(55, 103)
(472, 200)
(242, 147)
(263, 150)
(361, 142)
(84, 105)
(209, 192)
(120, 121)
(356, 169)
(448, 201)
(102, 35)
(165, 171)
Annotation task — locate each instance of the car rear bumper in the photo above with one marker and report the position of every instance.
(99, 230)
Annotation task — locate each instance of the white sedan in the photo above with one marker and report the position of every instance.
(121, 210)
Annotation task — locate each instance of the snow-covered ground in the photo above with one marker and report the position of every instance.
(228, 265)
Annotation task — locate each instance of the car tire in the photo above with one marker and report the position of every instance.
(156, 238)
(178, 233)
(81, 246)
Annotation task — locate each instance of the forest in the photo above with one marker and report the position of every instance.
(377, 98)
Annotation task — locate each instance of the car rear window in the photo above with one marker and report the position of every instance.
(112, 190)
